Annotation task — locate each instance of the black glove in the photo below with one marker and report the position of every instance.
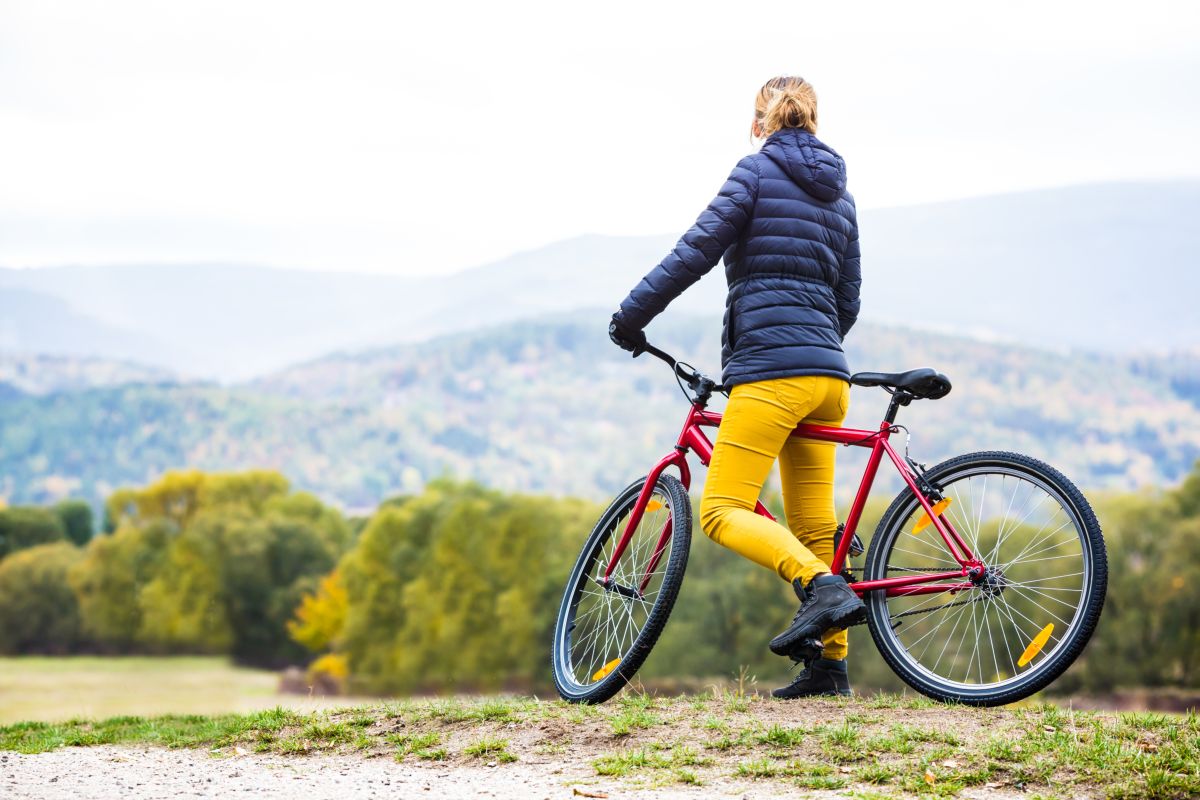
(625, 337)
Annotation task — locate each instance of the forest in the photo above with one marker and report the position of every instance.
(456, 587)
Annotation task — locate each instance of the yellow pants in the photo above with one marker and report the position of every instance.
(755, 430)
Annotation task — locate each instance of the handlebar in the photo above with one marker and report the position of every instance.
(700, 384)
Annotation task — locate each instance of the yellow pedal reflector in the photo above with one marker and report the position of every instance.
(924, 522)
(607, 668)
(1036, 645)
(653, 505)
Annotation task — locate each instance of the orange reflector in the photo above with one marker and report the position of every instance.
(1036, 645)
(607, 668)
(924, 522)
(653, 505)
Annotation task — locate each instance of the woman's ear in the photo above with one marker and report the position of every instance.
(756, 129)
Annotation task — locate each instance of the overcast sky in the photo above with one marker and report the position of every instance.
(423, 138)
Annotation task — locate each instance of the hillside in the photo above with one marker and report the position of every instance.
(1105, 267)
(23, 373)
(551, 406)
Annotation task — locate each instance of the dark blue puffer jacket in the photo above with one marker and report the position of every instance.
(789, 236)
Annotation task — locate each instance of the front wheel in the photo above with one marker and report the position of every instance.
(605, 631)
(1028, 619)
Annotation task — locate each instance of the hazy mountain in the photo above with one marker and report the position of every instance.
(1106, 267)
(37, 322)
(40, 374)
(551, 405)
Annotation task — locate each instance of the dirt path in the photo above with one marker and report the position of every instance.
(130, 773)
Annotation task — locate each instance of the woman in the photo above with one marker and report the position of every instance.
(787, 230)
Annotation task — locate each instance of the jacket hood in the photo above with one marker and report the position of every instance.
(813, 165)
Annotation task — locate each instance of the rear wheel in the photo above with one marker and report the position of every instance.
(1030, 616)
(604, 633)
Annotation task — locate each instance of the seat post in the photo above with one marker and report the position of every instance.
(899, 398)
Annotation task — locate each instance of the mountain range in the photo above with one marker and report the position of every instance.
(1105, 267)
(550, 405)
(1064, 317)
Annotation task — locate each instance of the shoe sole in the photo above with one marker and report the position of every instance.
(842, 616)
(811, 694)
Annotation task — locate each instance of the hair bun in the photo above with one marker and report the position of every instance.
(786, 102)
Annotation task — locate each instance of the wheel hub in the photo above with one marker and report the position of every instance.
(993, 582)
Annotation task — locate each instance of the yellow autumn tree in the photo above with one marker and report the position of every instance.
(321, 615)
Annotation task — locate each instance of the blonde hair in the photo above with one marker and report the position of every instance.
(786, 102)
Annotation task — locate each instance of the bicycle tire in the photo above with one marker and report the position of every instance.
(569, 687)
(1093, 583)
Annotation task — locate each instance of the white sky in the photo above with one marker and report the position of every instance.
(423, 138)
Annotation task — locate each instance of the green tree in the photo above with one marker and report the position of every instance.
(110, 577)
(183, 606)
(37, 607)
(266, 568)
(233, 555)
(28, 526)
(458, 587)
(1149, 631)
(76, 516)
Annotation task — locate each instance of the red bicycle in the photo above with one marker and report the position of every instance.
(984, 580)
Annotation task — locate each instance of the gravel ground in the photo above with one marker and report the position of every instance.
(128, 773)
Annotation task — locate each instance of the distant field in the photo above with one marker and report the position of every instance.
(54, 689)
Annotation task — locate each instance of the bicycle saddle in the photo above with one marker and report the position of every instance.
(922, 384)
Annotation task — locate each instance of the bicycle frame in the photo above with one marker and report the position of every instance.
(692, 438)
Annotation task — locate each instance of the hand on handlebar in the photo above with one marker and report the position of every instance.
(625, 337)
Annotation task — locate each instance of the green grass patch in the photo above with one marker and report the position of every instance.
(489, 748)
(422, 745)
(625, 762)
(186, 730)
(632, 718)
(779, 736)
(330, 733)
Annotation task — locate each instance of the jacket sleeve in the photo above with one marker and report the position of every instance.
(699, 250)
(849, 283)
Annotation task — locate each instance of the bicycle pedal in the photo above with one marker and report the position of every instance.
(856, 544)
(807, 650)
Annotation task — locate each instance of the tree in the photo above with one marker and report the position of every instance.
(76, 516)
(28, 526)
(458, 588)
(321, 615)
(208, 563)
(267, 566)
(108, 581)
(183, 606)
(37, 606)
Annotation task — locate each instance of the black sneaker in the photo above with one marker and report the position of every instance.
(827, 602)
(822, 677)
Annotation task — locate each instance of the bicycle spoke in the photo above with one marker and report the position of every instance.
(606, 622)
(1032, 547)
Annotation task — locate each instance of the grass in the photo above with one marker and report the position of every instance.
(422, 745)
(189, 730)
(864, 747)
(625, 762)
(57, 688)
(490, 749)
(635, 714)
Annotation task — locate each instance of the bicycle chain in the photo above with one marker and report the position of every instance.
(892, 617)
(979, 599)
